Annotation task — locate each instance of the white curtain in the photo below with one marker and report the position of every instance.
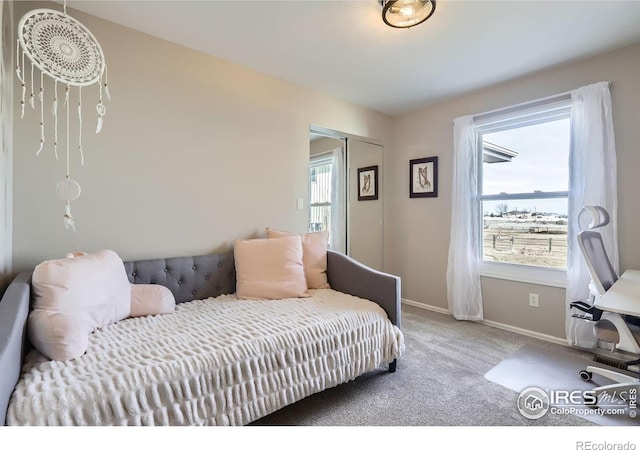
(338, 205)
(593, 181)
(6, 118)
(463, 277)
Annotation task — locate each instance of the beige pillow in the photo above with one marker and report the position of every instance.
(151, 299)
(269, 268)
(314, 256)
(74, 296)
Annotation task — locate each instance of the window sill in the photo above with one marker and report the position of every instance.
(524, 274)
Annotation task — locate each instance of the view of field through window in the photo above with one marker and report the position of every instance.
(530, 162)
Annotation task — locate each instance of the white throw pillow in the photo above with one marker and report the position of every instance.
(58, 335)
(270, 268)
(73, 297)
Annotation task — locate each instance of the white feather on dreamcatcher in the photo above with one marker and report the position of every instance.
(62, 48)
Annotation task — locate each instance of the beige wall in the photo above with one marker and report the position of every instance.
(417, 230)
(324, 145)
(194, 153)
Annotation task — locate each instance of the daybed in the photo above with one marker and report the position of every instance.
(216, 361)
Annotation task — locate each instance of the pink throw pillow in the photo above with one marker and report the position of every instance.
(314, 256)
(269, 268)
(151, 299)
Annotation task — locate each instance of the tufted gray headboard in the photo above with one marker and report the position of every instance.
(188, 278)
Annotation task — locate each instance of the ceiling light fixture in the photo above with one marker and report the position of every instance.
(406, 13)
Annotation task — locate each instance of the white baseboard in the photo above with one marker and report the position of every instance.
(425, 306)
(525, 332)
(491, 323)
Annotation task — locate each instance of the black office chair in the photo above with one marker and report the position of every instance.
(621, 332)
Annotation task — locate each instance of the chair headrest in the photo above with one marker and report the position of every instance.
(599, 217)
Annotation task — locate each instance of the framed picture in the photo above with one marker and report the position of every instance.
(368, 183)
(423, 177)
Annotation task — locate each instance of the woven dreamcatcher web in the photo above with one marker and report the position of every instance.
(60, 47)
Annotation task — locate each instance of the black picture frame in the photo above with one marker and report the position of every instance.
(368, 183)
(423, 177)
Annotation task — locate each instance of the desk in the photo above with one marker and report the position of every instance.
(624, 296)
(631, 275)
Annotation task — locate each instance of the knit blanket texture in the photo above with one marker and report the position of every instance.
(218, 361)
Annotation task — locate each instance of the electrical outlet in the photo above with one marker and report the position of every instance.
(533, 300)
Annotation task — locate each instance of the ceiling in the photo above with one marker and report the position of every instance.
(344, 49)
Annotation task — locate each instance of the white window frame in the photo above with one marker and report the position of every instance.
(520, 116)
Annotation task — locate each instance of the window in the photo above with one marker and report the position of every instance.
(523, 187)
(320, 171)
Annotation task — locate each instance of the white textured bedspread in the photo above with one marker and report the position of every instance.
(219, 361)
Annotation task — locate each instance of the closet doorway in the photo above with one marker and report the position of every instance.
(355, 221)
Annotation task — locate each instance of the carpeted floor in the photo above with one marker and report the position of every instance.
(439, 382)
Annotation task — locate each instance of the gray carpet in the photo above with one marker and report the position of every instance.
(439, 382)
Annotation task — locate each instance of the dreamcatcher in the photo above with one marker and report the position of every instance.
(65, 50)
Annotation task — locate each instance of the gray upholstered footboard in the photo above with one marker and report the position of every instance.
(14, 310)
(349, 276)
